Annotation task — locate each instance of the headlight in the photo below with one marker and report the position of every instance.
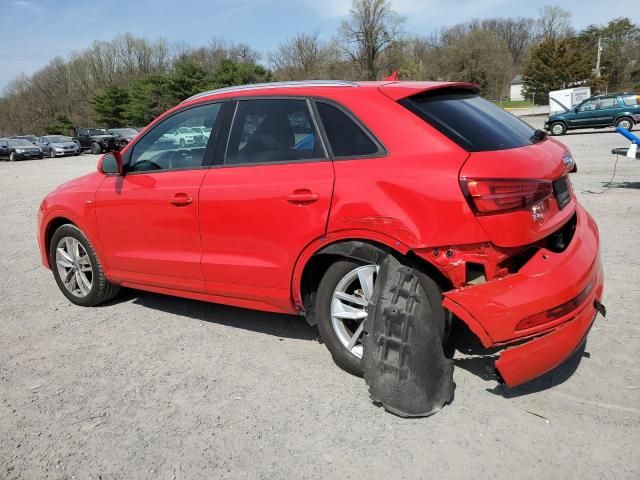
(19, 150)
(568, 160)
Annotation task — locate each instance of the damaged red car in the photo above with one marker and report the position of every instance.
(291, 194)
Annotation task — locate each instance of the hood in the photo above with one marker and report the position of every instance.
(64, 144)
(104, 137)
(77, 181)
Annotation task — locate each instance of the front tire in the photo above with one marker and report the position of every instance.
(558, 128)
(77, 270)
(12, 157)
(96, 149)
(52, 154)
(625, 123)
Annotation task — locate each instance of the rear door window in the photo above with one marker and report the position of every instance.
(471, 121)
(607, 103)
(346, 137)
(273, 130)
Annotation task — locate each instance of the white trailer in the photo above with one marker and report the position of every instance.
(567, 98)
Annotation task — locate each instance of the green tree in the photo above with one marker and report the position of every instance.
(188, 78)
(61, 125)
(620, 40)
(555, 64)
(232, 73)
(148, 98)
(110, 106)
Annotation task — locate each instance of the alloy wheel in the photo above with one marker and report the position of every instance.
(349, 306)
(74, 267)
(626, 124)
(557, 129)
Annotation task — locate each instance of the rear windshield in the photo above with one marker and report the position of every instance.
(471, 121)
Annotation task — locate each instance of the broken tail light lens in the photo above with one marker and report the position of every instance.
(489, 196)
(556, 312)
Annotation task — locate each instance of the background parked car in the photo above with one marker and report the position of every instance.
(616, 109)
(30, 138)
(98, 140)
(58, 146)
(123, 135)
(13, 149)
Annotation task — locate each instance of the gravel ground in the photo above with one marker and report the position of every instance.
(157, 387)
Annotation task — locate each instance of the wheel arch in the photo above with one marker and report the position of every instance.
(52, 225)
(623, 116)
(316, 261)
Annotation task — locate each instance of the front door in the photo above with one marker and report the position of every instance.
(585, 116)
(148, 218)
(266, 202)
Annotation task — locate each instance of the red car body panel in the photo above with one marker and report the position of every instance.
(255, 221)
(247, 233)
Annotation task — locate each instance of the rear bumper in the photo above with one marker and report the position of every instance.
(548, 280)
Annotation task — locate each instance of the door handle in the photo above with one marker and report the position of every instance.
(302, 197)
(181, 200)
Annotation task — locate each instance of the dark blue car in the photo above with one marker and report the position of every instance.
(612, 110)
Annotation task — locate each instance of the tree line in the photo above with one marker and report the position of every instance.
(130, 80)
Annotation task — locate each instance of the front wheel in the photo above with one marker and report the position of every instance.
(96, 149)
(12, 157)
(76, 268)
(558, 128)
(52, 154)
(342, 305)
(625, 123)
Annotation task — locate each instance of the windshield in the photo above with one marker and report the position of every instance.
(98, 131)
(474, 123)
(125, 132)
(58, 139)
(19, 142)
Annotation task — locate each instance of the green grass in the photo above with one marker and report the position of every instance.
(514, 103)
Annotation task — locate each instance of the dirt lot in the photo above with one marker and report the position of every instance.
(157, 387)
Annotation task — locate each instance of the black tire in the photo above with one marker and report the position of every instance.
(12, 157)
(558, 128)
(625, 122)
(182, 143)
(101, 289)
(41, 156)
(52, 154)
(96, 149)
(341, 356)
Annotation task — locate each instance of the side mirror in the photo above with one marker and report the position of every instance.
(111, 164)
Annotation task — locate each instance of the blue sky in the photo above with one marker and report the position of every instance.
(35, 31)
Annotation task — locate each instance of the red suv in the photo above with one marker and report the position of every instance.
(300, 188)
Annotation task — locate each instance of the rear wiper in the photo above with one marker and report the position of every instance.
(538, 136)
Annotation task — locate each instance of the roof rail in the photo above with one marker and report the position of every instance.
(259, 86)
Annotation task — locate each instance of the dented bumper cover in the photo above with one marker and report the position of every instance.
(495, 310)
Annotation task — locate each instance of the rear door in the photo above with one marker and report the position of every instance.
(606, 109)
(266, 201)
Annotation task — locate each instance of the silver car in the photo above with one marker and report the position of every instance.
(58, 146)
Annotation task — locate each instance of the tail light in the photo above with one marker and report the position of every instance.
(489, 196)
(554, 313)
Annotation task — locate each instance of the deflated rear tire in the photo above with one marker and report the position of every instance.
(76, 268)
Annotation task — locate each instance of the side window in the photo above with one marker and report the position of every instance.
(173, 144)
(273, 130)
(588, 106)
(607, 103)
(346, 137)
(631, 100)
